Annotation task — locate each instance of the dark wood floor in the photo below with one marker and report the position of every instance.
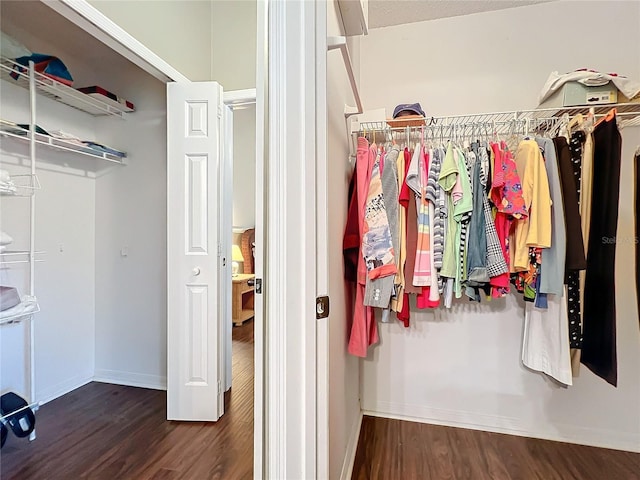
(394, 449)
(103, 431)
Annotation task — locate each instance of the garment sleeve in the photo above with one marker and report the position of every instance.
(449, 171)
(539, 234)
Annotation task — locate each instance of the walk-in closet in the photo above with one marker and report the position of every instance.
(459, 353)
(84, 210)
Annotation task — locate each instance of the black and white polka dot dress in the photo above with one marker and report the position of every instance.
(573, 278)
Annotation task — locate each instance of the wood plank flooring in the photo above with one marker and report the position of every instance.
(395, 449)
(102, 431)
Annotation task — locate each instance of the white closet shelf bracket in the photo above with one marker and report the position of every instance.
(341, 43)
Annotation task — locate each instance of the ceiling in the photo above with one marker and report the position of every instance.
(384, 13)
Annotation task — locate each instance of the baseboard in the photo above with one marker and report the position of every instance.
(561, 432)
(130, 379)
(62, 388)
(352, 448)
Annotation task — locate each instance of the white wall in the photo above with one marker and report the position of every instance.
(203, 39)
(64, 282)
(343, 395)
(244, 167)
(131, 206)
(177, 31)
(463, 367)
(233, 51)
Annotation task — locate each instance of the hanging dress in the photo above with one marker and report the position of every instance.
(599, 332)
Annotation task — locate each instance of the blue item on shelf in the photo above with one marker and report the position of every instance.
(47, 65)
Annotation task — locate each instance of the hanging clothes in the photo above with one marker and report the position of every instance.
(477, 253)
(599, 332)
(364, 331)
(496, 263)
(586, 202)
(407, 197)
(377, 245)
(552, 268)
(405, 200)
(422, 272)
(534, 230)
(575, 259)
(462, 210)
(426, 272)
(389, 175)
(437, 209)
(545, 346)
(575, 279)
(448, 180)
(506, 195)
(397, 301)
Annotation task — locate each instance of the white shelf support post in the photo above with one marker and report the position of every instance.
(32, 240)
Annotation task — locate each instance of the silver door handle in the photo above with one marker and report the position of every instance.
(196, 271)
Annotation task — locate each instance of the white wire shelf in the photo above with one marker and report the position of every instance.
(60, 92)
(22, 186)
(12, 257)
(503, 122)
(61, 145)
(19, 316)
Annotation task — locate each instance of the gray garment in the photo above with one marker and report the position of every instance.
(413, 174)
(378, 292)
(433, 195)
(477, 239)
(391, 195)
(553, 258)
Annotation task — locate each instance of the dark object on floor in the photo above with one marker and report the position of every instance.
(3, 434)
(21, 423)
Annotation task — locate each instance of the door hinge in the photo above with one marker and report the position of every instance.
(219, 111)
(219, 387)
(219, 250)
(322, 307)
(258, 288)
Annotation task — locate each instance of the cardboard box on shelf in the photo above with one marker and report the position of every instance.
(573, 94)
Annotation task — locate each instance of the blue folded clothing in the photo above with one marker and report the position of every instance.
(104, 149)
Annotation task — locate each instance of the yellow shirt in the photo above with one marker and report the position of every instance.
(535, 230)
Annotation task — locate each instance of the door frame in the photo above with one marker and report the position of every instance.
(233, 100)
(291, 55)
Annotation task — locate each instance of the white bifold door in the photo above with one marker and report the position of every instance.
(196, 266)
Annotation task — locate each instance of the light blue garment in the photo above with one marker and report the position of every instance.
(553, 258)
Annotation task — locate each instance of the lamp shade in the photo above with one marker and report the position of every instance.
(236, 254)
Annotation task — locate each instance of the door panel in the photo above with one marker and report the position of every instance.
(193, 269)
